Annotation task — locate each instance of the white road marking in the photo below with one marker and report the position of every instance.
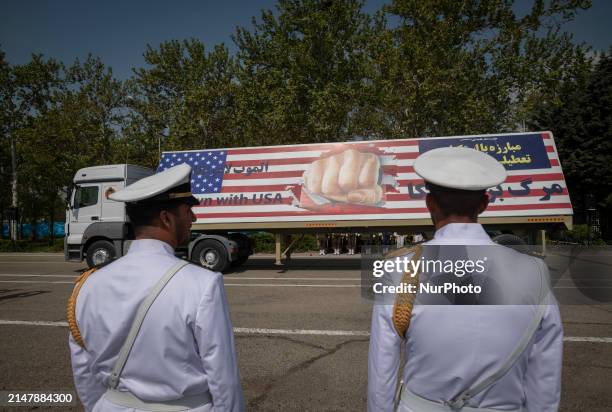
(43, 275)
(283, 278)
(33, 323)
(242, 278)
(582, 287)
(35, 281)
(263, 285)
(587, 339)
(237, 277)
(15, 254)
(226, 277)
(291, 278)
(313, 332)
(57, 282)
(317, 332)
(281, 285)
(38, 261)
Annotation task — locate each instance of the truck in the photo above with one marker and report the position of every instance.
(359, 186)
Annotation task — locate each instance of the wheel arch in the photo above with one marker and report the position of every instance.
(113, 232)
(90, 241)
(228, 244)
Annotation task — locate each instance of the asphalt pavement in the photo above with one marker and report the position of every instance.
(301, 333)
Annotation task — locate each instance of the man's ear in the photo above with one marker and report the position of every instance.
(484, 203)
(164, 219)
(430, 203)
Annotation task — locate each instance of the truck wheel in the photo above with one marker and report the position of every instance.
(211, 255)
(100, 252)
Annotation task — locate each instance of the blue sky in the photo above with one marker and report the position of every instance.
(118, 31)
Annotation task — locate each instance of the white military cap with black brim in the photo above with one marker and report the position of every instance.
(459, 168)
(172, 184)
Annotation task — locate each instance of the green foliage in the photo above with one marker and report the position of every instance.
(60, 119)
(313, 71)
(580, 120)
(31, 246)
(460, 67)
(580, 234)
(185, 98)
(307, 244)
(265, 243)
(303, 72)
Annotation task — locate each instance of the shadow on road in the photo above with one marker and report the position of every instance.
(314, 263)
(4, 296)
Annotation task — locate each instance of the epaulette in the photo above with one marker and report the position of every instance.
(71, 307)
(404, 302)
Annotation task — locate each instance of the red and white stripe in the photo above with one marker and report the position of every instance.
(286, 165)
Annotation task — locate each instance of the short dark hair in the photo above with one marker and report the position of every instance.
(146, 214)
(456, 202)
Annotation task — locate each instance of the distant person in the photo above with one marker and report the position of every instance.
(336, 243)
(150, 331)
(351, 243)
(322, 243)
(386, 242)
(366, 243)
(466, 355)
(399, 240)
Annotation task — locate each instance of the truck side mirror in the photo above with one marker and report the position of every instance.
(71, 193)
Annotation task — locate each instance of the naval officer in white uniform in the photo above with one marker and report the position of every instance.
(467, 357)
(177, 355)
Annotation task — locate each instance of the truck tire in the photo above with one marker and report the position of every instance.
(211, 255)
(100, 252)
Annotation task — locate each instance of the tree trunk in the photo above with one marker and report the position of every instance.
(13, 225)
(51, 222)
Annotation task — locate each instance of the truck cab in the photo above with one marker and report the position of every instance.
(96, 227)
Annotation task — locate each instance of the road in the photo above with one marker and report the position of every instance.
(301, 334)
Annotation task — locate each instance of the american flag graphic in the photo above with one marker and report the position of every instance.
(266, 184)
(207, 168)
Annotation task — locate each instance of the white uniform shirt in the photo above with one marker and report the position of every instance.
(450, 348)
(185, 345)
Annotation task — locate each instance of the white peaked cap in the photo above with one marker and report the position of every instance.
(460, 168)
(158, 186)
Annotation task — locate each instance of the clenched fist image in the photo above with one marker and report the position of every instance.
(350, 176)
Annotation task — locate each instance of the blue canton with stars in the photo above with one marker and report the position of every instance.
(207, 168)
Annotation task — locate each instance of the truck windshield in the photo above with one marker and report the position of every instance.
(85, 196)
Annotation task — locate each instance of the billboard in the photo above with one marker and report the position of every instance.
(365, 180)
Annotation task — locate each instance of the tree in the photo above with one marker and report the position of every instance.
(303, 72)
(461, 67)
(26, 93)
(186, 98)
(5, 139)
(59, 121)
(581, 121)
(82, 127)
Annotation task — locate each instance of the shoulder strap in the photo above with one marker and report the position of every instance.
(459, 401)
(137, 323)
(404, 302)
(71, 307)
